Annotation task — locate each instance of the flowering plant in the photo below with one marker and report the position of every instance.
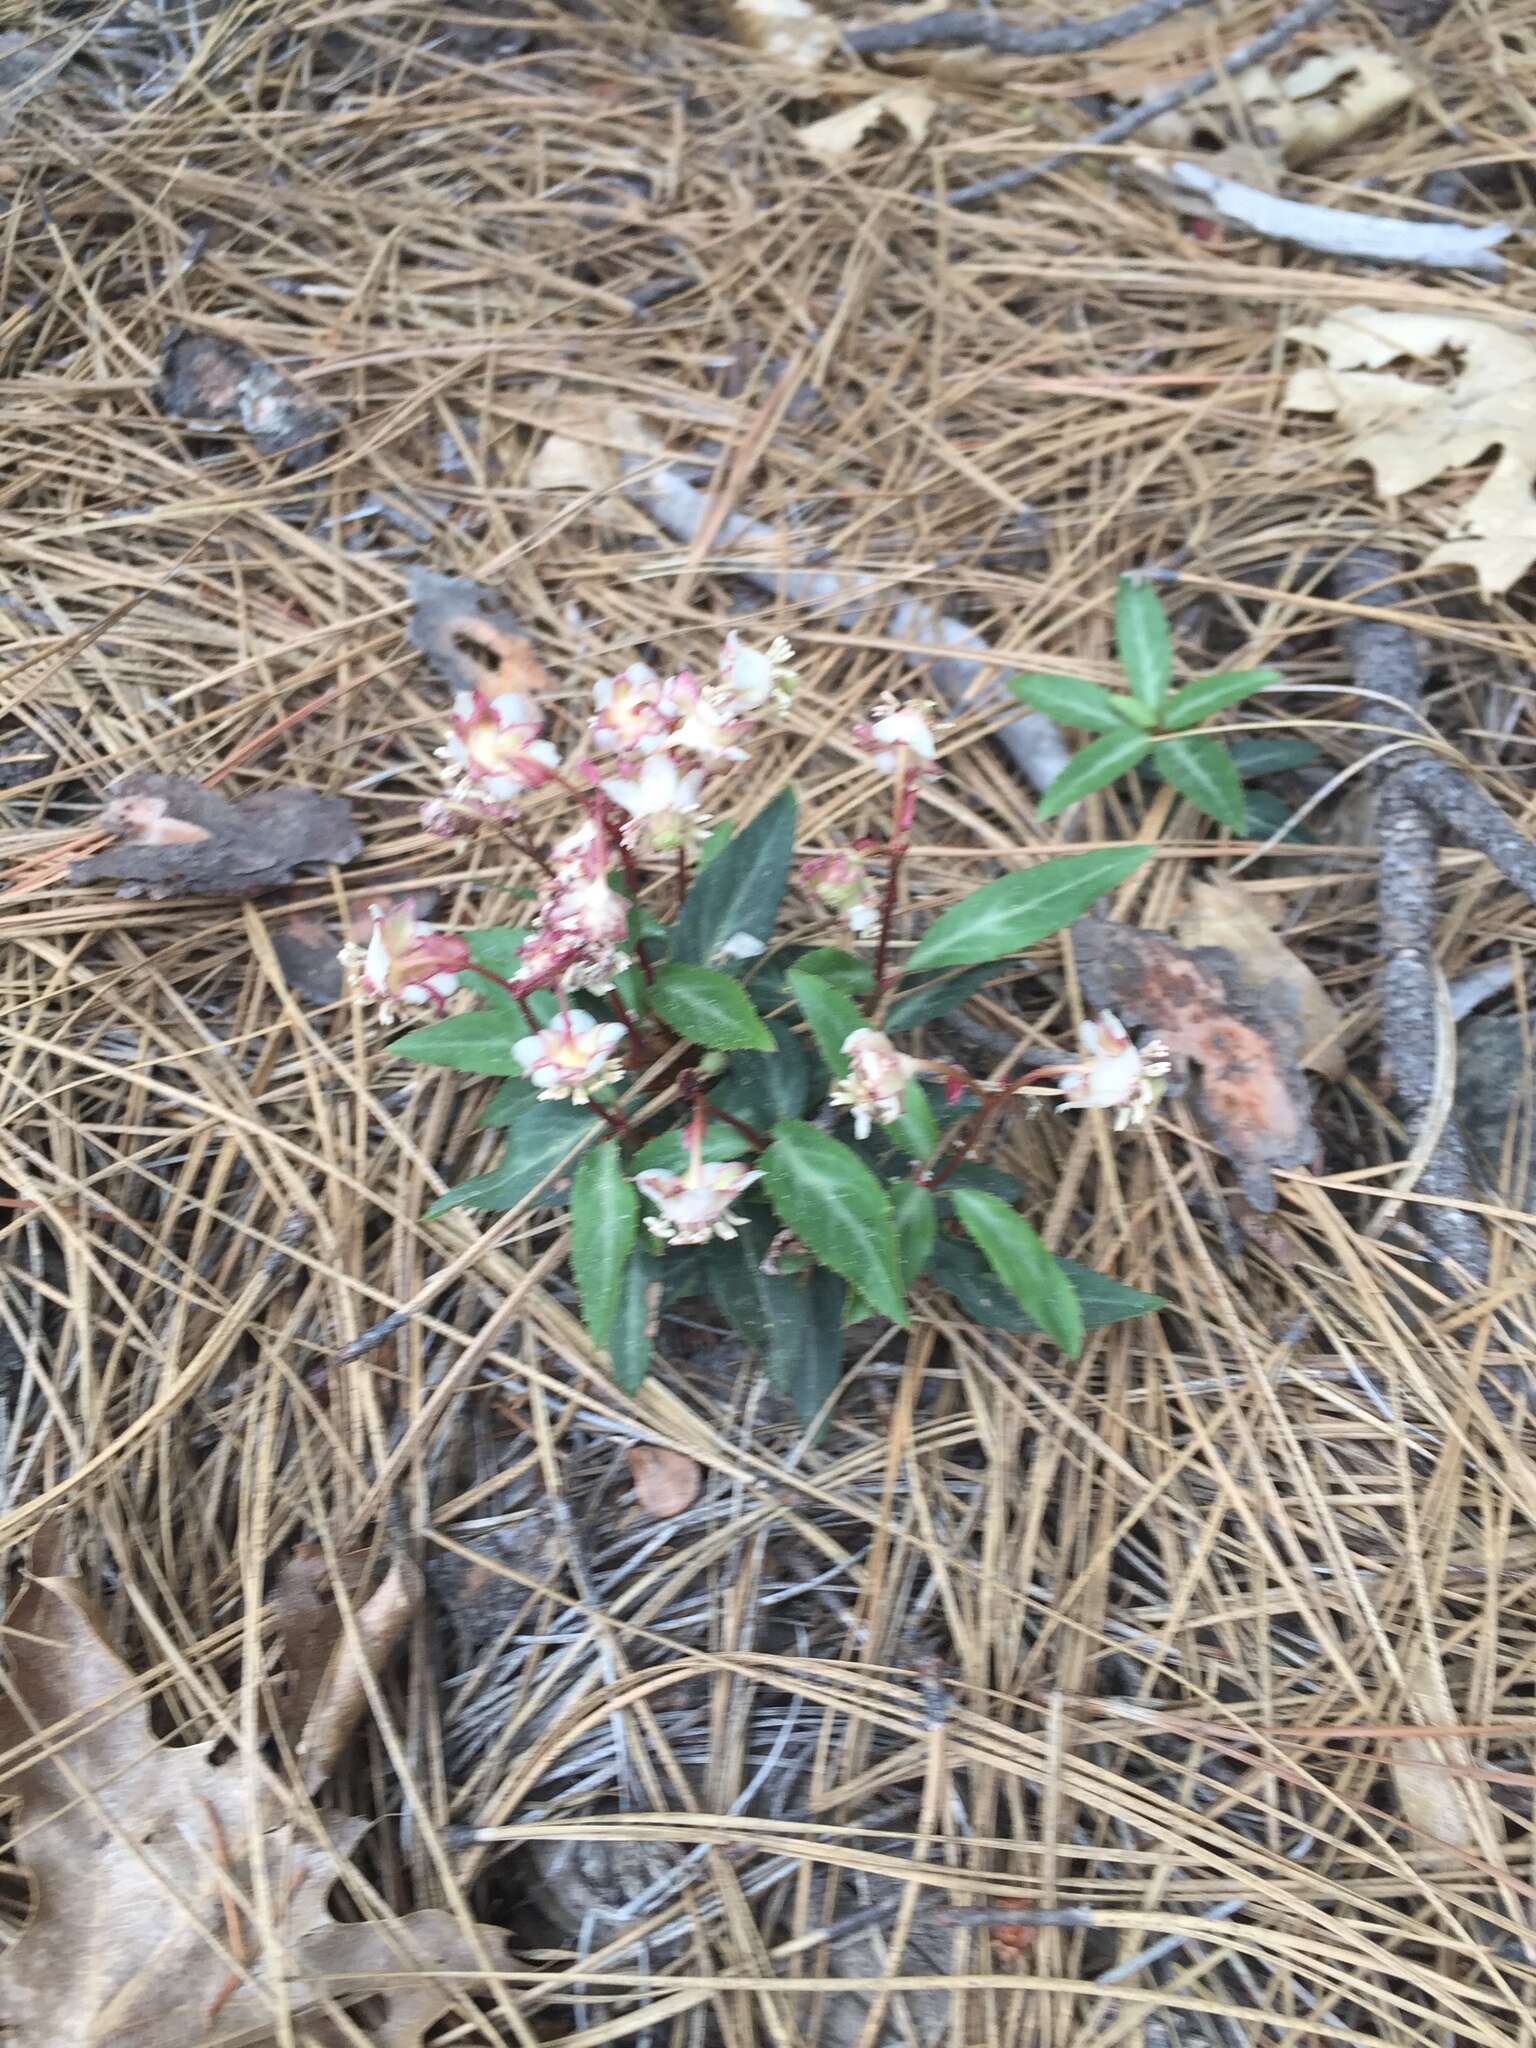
(727, 1110)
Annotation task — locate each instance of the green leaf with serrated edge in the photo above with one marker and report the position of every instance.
(1202, 770)
(975, 1173)
(828, 1197)
(1005, 916)
(506, 1104)
(605, 1221)
(831, 1015)
(636, 1316)
(965, 1275)
(478, 1042)
(669, 1151)
(925, 1000)
(916, 1130)
(540, 1140)
(708, 1008)
(1197, 700)
(1071, 700)
(1142, 642)
(714, 843)
(742, 888)
(1023, 1264)
(846, 971)
(762, 1087)
(917, 1223)
(1262, 753)
(1092, 767)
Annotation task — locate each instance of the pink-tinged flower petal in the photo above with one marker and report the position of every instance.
(695, 1206)
(405, 964)
(571, 1056)
(899, 739)
(1114, 1073)
(875, 1086)
(751, 679)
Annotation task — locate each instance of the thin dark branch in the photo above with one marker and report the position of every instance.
(969, 28)
(1289, 25)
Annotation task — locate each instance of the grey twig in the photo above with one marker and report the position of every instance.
(973, 28)
(1418, 797)
(1289, 24)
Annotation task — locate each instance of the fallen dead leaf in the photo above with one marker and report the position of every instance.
(177, 838)
(1223, 913)
(666, 1482)
(788, 32)
(306, 950)
(1251, 1095)
(140, 1856)
(206, 381)
(1412, 431)
(469, 635)
(1297, 116)
(342, 1695)
(835, 138)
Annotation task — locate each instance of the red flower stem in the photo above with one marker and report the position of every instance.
(970, 1132)
(526, 847)
(528, 1017)
(615, 1119)
(748, 1131)
(903, 808)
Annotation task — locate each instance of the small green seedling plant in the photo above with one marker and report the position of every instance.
(724, 1109)
(1148, 723)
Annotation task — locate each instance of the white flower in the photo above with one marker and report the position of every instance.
(633, 713)
(739, 946)
(875, 1086)
(662, 802)
(571, 1056)
(750, 680)
(493, 752)
(695, 1205)
(900, 738)
(843, 881)
(1113, 1073)
(706, 724)
(406, 965)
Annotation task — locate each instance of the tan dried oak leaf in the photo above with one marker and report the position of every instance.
(1412, 430)
(173, 1904)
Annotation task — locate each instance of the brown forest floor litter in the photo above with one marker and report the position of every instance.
(1167, 1634)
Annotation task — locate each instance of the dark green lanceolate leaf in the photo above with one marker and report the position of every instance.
(708, 1008)
(1202, 770)
(916, 1130)
(976, 1173)
(1005, 916)
(742, 888)
(479, 1042)
(1266, 817)
(1262, 753)
(1023, 1264)
(762, 1087)
(506, 1104)
(793, 1321)
(669, 1151)
(1071, 700)
(965, 1275)
(714, 843)
(637, 1314)
(829, 1198)
(1142, 642)
(1093, 766)
(845, 971)
(605, 1221)
(537, 1142)
(917, 1223)
(930, 999)
(1199, 699)
(832, 1016)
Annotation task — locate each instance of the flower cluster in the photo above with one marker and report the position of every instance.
(581, 921)
(669, 734)
(875, 1086)
(492, 760)
(1113, 1073)
(404, 964)
(846, 883)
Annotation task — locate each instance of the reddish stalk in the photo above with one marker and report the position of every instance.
(521, 1001)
